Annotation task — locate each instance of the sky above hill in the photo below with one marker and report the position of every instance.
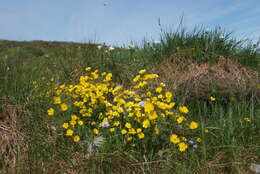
(118, 22)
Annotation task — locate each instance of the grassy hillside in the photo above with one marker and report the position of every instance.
(214, 75)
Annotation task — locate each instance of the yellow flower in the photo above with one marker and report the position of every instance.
(128, 125)
(146, 123)
(193, 125)
(148, 107)
(162, 84)
(182, 146)
(116, 123)
(247, 119)
(73, 123)
(174, 139)
(141, 135)
(112, 129)
(138, 130)
(184, 138)
(156, 131)
(69, 132)
(56, 100)
(50, 111)
(142, 71)
(136, 78)
(132, 131)
(153, 115)
(180, 119)
(212, 98)
(76, 138)
(123, 131)
(108, 77)
(160, 96)
(95, 131)
(129, 138)
(183, 109)
(58, 92)
(65, 125)
(168, 94)
(206, 131)
(80, 122)
(64, 107)
(158, 90)
(74, 117)
(199, 140)
(87, 68)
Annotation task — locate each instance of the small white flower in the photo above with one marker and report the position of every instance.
(111, 48)
(142, 103)
(190, 142)
(99, 47)
(105, 124)
(221, 37)
(130, 46)
(157, 42)
(206, 31)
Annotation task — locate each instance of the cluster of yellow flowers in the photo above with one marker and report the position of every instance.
(99, 106)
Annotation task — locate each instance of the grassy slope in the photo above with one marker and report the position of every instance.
(230, 146)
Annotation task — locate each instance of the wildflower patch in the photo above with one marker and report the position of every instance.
(96, 106)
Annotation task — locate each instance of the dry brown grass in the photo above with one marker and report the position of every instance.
(11, 138)
(198, 80)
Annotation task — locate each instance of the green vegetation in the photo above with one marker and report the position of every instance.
(194, 66)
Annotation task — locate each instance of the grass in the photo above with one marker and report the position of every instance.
(33, 143)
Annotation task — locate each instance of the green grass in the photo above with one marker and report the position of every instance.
(230, 146)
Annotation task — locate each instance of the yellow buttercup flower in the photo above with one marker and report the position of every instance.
(247, 119)
(156, 131)
(162, 84)
(142, 71)
(50, 111)
(80, 122)
(76, 138)
(128, 125)
(141, 135)
(129, 138)
(108, 77)
(193, 125)
(132, 131)
(153, 115)
(138, 130)
(95, 131)
(180, 119)
(65, 125)
(182, 146)
(168, 94)
(74, 117)
(73, 123)
(148, 107)
(87, 68)
(199, 140)
(64, 107)
(158, 90)
(116, 123)
(146, 123)
(123, 131)
(69, 132)
(174, 139)
(112, 129)
(212, 98)
(183, 109)
(56, 100)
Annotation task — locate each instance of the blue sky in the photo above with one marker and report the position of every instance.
(118, 22)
